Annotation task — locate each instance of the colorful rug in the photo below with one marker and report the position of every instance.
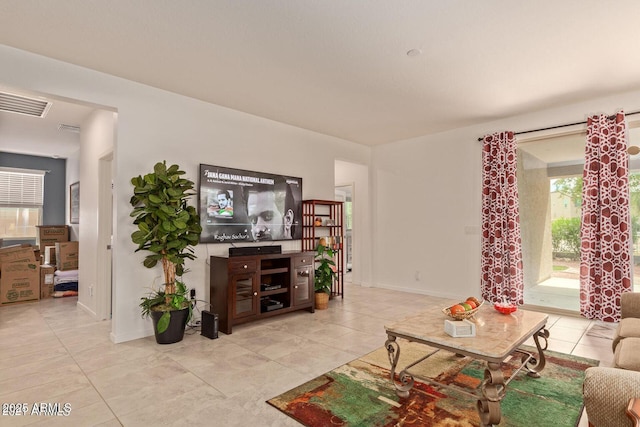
(360, 393)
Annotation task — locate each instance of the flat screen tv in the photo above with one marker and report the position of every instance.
(237, 205)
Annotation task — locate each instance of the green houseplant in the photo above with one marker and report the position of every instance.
(325, 275)
(168, 228)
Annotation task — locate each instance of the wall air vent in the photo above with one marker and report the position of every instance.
(68, 128)
(22, 105)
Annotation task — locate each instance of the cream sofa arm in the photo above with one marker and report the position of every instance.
(606, 393)
(630, 304)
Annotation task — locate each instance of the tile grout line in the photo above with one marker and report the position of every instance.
(82, 371)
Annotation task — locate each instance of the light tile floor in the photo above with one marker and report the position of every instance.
(561, 294)
(53, 352)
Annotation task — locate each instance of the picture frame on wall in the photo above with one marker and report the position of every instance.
(74, 203)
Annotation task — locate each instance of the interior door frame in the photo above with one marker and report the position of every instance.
(105, 232)
(352, 185)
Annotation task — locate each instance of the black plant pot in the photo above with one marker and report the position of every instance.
(175, 331)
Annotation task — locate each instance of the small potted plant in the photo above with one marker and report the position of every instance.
(325, 274)
(169, 229)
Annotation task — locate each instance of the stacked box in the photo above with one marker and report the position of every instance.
(67, 256)
(17, 279)
(20, 282)
(46, 280)
(19, 275)
(49, 255)
(49, 235)
(16, 253)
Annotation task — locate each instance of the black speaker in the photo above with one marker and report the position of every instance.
(209, 325)
(255, 250)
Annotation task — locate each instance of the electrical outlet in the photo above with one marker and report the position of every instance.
(90, 290)
(193, 294)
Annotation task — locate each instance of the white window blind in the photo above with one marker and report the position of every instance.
(21, 187)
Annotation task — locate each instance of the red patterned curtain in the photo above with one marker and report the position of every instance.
(501, 242)
(605, 262)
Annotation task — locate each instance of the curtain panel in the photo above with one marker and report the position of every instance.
(501, 261)
(605, 251)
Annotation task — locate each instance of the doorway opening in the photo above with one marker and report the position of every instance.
(344, 193)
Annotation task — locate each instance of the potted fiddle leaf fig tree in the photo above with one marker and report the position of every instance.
(168, 228)
(325, 275)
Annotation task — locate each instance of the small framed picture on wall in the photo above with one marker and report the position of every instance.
(74, 203)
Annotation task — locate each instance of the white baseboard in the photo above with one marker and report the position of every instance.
(88, 310)
(428, 292)
(129, 336)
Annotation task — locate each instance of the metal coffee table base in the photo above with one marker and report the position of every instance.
(493, 387)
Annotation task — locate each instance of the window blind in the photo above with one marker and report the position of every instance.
(21, 187)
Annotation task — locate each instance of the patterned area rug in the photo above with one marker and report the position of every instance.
(360, 393)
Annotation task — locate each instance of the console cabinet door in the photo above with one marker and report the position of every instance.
(244, 294)
(303, 280)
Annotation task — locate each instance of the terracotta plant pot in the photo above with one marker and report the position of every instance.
(322, 300)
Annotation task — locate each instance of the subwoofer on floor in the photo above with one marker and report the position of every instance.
(209, 327)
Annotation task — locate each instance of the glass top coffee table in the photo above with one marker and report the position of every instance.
(498, 336)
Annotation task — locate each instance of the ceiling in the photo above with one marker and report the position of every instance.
(36, 136)
(342, 68)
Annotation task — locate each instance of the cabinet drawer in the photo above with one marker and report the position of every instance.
(242, 266)
(302, 261)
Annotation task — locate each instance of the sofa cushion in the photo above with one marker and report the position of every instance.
(627, 354)
(630, 304)
(629, 327)
(606, 393)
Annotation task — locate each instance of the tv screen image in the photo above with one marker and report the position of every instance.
(238, 205)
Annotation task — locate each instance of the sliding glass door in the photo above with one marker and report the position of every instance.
(550, 186)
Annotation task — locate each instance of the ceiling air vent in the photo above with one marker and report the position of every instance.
(23, 105)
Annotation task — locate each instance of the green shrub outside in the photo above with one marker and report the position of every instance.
(565, 236)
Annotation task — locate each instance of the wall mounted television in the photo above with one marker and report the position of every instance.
(237, 205)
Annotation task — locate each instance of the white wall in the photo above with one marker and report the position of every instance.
(155, 125)
(97, 139)
(426, 201)
(425, 192)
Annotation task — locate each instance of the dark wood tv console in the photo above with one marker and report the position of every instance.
(252, 287)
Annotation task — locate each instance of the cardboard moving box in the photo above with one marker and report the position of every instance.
(20, 281)
(50, 255)
(67, 256)
(17, 253)
(46, 280)
(49, 235)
